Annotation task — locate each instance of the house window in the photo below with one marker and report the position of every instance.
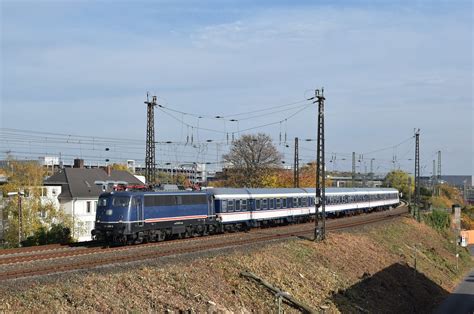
(95, 206)
(88, 207)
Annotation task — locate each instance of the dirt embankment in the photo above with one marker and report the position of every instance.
(368, 270)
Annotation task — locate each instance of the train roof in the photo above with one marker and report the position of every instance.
(256, 191)
(131, 193)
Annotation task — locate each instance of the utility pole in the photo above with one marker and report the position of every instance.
(353, 168)
(409, 195)
(20, 219)
(372, 169)
(150, 164)
(320, 200)
(433, 178)
(365, 174)
(296, 169)
(439, 172)
(417, 174)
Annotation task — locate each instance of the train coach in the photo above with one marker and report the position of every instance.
(134, 217)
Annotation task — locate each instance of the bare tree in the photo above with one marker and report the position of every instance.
(250, 158)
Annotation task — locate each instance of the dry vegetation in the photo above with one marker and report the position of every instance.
(448, 196)
(367, 270)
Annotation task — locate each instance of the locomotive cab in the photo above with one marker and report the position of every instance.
(112, 216)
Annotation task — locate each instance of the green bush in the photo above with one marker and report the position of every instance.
(438, 219)
(57, 234)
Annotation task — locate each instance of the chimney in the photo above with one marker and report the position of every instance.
(108, 169)
(78, 163)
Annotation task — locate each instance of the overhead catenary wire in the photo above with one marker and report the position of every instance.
(225, 116)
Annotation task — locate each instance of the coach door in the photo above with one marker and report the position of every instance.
(137, 201)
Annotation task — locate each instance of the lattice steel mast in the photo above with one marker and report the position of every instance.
(417, 174)
(296, 169)
(320, 201)
(150, 164)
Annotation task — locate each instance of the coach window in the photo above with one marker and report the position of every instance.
(271, 203)
(295, 202)
(243, 206)
(284, 203)
(223, 206)
(230, 206)
(278, 203)
(305, 201)
(257, 204)
(265, 204)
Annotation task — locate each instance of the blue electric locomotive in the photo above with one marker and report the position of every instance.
(136, 216)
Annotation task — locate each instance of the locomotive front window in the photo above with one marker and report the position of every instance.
(120, 201)
(102, 202)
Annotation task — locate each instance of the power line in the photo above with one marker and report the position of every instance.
(223, 116)
(389, 147)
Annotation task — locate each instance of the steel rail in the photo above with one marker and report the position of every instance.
(147, 255)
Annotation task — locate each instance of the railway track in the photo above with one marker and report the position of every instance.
(24, 263)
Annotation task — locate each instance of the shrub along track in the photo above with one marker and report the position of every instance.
(57, 259)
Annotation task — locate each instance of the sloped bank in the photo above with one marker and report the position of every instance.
(370, 269)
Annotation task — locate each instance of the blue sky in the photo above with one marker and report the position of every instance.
(84, 67)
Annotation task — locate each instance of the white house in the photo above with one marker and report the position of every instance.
(80, 190)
